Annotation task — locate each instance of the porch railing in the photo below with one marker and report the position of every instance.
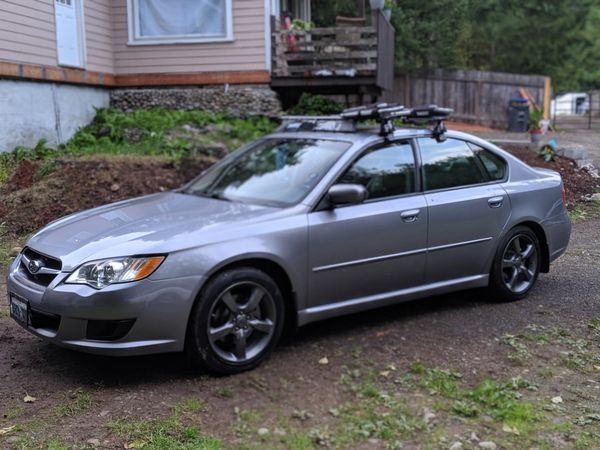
(322, 52)
(344, 51)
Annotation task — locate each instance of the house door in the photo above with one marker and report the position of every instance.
(69, 32)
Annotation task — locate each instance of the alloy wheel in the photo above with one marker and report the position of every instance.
(241, 322)
(519, 264)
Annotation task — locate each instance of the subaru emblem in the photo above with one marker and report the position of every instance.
(34, 266)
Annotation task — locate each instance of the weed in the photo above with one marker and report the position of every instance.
(520, 352)
(11, 413)
(167, 434)
(437, 381)
(76, 401)
(226, 392)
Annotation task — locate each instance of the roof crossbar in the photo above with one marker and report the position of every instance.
(386, 114)
(383, 113)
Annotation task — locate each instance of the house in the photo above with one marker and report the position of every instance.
(60, 59)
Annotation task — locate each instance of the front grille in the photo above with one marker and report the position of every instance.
(49, 267)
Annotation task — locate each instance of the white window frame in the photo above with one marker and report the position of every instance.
(136, 39)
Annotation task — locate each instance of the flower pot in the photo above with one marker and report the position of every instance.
(535, 135)
(376, 4)
(387, 13)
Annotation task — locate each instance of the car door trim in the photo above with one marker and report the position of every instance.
(388, 298)
(459, 244)
(357, 262)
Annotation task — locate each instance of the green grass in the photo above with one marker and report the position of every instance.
(166, 434)
(159, 132)
(75, 402)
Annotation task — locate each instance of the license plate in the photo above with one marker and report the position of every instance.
(18, 309)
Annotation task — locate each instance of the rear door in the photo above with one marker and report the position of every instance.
(468, 208)
(365, 250)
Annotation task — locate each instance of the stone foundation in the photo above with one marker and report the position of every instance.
(237, 101)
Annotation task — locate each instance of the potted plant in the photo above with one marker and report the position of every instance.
(387, 9)
(535, 129)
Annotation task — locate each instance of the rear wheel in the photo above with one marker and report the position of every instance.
(236, 321)
(516, 265)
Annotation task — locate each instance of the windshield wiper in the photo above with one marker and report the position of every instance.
(215, 195)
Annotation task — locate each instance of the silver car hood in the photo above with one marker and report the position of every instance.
(159, 223)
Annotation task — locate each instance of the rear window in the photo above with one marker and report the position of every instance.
(493, 164)
(449, 164)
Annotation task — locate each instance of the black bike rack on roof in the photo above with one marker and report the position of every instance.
(383, 113)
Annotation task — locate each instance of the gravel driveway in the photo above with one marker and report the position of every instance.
(296, 388)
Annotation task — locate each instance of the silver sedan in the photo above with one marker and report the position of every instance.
(299, 226)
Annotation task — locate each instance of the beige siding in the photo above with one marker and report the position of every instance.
(247, 52)
(98, 35)
(27, 32)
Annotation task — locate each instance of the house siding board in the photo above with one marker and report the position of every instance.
(27, 32)
(98, 35)
(247, 52)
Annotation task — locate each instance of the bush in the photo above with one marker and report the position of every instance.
(315, 105)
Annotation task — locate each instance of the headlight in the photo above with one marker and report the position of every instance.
(99, 274)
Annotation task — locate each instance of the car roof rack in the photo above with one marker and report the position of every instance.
(383, 113)
(386, 114)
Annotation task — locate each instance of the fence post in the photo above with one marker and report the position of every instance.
(589, 110)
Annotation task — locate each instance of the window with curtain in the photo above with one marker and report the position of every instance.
(181, 20)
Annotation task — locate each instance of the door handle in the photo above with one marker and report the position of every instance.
(496, 202)
(410, 216)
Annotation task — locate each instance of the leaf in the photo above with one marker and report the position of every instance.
(7, 430)
(29, 399)
(508, 429)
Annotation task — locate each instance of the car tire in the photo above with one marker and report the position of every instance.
(236, 321)
(516, 265)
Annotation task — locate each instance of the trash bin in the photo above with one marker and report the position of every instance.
(518, 115)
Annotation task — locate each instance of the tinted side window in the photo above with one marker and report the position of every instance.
(449, 164)
(494, 165)
(385, 171)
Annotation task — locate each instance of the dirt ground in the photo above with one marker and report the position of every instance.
(79, 397)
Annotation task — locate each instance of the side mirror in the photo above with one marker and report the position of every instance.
(345, 194)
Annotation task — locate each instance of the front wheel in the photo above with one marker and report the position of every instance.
(236, 322)
(516, 265)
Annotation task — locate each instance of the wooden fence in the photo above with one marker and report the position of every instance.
(476, 97)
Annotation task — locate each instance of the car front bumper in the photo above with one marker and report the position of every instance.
(152, 314)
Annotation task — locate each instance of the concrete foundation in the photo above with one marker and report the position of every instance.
(30, 111)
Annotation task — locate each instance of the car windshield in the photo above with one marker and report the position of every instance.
(278, 172)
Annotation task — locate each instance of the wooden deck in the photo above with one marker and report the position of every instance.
(337, 60)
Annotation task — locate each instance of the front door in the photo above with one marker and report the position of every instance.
(69, 32)
(365, 252)
(467, 210)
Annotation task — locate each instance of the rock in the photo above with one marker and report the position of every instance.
(455, 446)
(236, 101)
(374, 441)
(15, 251)
(94, 442)
(428, 416)
(263, 431)
(115, 187)
(279, 432)
(474, 437)
(324, 361)
(556, 400)
(489, 445)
